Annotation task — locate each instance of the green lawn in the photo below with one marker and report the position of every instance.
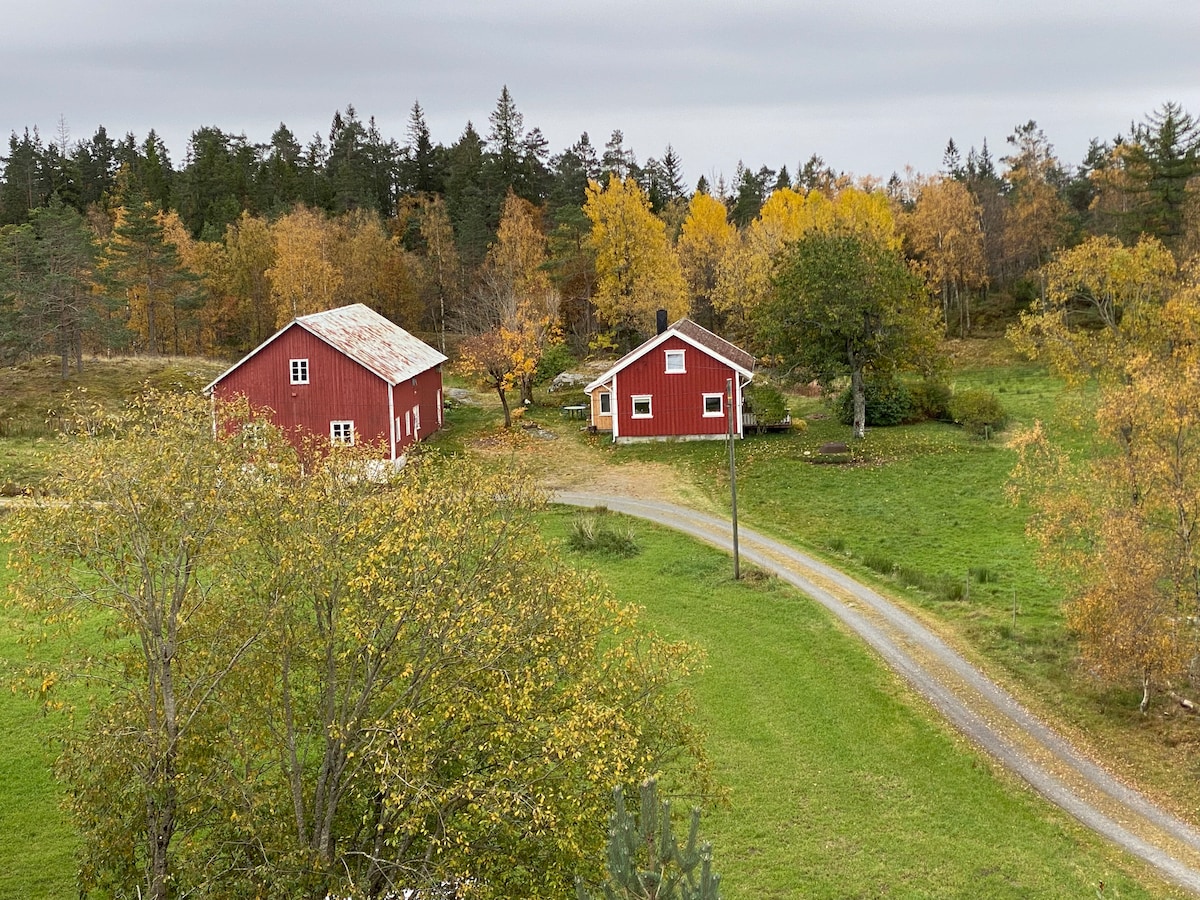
(37, 844)
(840, 784)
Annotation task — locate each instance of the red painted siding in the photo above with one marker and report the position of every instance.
(677, 398)
(338, 389)
(417, 408)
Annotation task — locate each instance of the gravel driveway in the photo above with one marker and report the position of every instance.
(972, 703)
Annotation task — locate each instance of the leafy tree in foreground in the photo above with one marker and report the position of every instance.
(321, 684)
(142, 536)
(1120, 525)
(1102, 301)
(844, 303)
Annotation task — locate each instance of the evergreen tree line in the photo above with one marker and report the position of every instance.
(106, 247)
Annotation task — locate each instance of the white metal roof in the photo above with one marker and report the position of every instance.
(365, 336)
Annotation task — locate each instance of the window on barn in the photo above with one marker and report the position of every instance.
(342, 432)
(299, 371)
(605, 403)
(714, 405)
(675, 361)
(641, 407)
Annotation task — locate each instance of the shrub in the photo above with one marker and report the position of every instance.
(766, 402)
(931, 399)
(888, 403)
(979, 412)
(555, 359)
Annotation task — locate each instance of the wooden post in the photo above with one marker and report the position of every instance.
(729, 398)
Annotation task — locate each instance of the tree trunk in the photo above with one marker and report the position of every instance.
(1145, 704)
(858, 395)
(504, 406)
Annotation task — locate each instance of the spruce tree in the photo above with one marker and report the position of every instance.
(645, 861)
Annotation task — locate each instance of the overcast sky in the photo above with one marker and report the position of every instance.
(871, 86)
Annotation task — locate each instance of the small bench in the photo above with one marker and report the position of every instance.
(575, 412)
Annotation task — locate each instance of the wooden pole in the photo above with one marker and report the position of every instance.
(729, 398)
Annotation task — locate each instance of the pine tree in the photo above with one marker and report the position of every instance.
(142, 270)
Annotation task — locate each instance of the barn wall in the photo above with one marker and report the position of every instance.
(417, 401)
(338, 388)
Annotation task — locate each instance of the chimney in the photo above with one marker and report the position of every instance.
(661, 320)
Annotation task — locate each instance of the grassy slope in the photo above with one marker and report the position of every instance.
(840, 783)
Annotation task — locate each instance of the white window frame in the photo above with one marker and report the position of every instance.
(675, 355)
(338, 431)
(642, 398)
(299, 370)
(720, 413)
(606, 403)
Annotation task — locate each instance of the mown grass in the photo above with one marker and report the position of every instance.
(921, 511)
(840, 783)
(37, 842)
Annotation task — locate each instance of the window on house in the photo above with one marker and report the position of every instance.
(675, 361)
(342, 432)
(299, 371)
(641, 406)
(714, 405)
(605, 403)
(417, 420)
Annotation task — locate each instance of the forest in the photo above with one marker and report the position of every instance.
(109, 248)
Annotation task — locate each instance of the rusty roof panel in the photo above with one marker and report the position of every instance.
(373, 341)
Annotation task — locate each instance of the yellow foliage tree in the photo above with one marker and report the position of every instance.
(244, 316)
(1121, 527)
(1102, 301)
(745, 277)
(513, 296)
(945, 231)
(705, 240)
(304, 276)
(375, 269)
(637, 269)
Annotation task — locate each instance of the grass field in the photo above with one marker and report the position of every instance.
(37, 844)
(840, 784)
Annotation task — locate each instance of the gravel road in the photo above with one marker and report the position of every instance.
(972, 703)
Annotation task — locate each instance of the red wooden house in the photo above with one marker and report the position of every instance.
(672, 386)
(347, 374)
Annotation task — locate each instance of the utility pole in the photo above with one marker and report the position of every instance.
(729, 398)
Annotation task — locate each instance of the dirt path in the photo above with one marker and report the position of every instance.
(973, 704)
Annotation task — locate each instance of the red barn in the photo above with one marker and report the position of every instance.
(348, 374)
(672, 386)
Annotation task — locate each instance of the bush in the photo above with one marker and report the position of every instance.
(979, 412)
(766, 402)
(888, 403)
(931, 400)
